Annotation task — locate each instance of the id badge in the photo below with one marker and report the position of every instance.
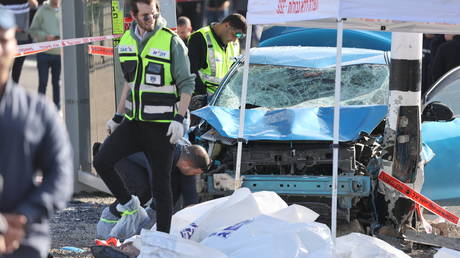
(154, 74)
(154, 79)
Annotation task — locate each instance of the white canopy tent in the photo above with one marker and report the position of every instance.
(429, 16)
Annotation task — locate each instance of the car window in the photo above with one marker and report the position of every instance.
(447, 91)
(282, 87)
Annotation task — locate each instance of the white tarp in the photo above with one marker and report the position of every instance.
(356, 245)
(392, 15)
(218, 214)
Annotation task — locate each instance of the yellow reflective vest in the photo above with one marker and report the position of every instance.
(218, 60)
(153, 96)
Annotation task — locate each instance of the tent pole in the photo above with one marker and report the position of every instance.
(335, 145)
(244, 88)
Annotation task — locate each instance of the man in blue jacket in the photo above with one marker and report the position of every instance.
(35, 158)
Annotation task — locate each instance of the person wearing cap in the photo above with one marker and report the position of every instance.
(150, 113)
(212, 50)
(33, 141)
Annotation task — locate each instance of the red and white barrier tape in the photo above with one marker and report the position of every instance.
(28, 49)
(100, 50)
(418, 198)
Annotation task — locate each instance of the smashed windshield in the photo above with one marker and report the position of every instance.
(273, 86)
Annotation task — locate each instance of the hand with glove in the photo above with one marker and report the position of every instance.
(113, 123)
(176, 129)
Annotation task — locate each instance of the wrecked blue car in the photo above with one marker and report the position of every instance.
(288, 127)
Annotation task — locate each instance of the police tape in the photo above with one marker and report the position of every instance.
(418, 198)
(100, 50)
(33, 48)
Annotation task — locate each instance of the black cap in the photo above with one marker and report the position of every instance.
(6, 19)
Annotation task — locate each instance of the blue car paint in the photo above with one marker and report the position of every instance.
(442, 173)
(294, 36)
(299, 124)
(314, 57)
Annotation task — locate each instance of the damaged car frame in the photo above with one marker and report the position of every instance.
(289, 125)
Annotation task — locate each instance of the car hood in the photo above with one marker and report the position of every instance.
(299, 124)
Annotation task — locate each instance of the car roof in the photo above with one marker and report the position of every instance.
(314, 57)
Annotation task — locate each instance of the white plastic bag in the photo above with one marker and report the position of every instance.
(296, 214)
(447, 253)
(356, 245)
(162, 245)
(268, 237)
(183, 218)
(242, 205)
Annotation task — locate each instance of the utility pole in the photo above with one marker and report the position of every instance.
(402, 144)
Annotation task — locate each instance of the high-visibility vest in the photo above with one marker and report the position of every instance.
(218, 60)
(153, 96)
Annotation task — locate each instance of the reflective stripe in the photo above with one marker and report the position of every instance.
(158, 109)
(128, 105)
(211, 53)
(109, 221)
(171, 89)
(129, 212)
(206, 77)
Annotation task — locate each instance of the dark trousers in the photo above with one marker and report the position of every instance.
(18, 63)
(131, 137)
(45, 62)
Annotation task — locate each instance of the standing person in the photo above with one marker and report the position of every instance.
(184, 28)
(157, 71)
(21, 11)
(212, 51)
(216, 10)
(447, 56)
(33, 141)
(45, 27)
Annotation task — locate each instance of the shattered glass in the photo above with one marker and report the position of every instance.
(295, 87)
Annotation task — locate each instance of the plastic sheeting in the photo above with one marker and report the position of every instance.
(356, 245)
(303, 124)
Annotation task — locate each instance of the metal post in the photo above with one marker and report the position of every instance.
(243, 108)
(76, 86)
(335, 144)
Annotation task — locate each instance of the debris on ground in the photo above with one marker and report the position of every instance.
(76, 227)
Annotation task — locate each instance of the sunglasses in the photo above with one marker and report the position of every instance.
(239, 35)
(147, 16)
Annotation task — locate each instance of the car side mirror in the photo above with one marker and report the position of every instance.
(437, 111)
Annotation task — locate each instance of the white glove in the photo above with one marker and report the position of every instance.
(176, 130)
(113, 123)
(111, 126)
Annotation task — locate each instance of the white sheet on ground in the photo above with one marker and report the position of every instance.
(242, 205)
(447, 253)
(159, 244)
(356, 245)
(266, 236)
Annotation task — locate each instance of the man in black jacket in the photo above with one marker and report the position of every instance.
(33, 139)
